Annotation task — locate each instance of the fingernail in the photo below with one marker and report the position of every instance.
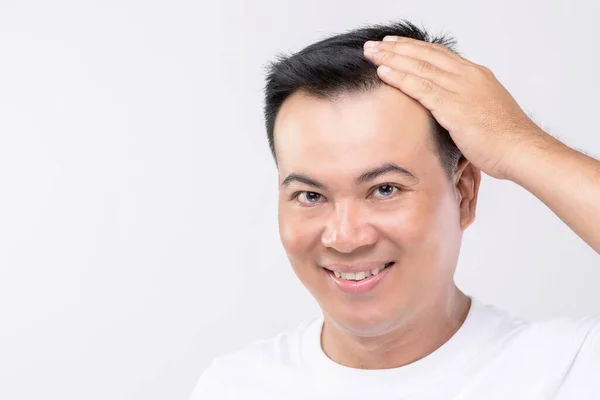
(390, 39)
(384, 69)
(371, 44)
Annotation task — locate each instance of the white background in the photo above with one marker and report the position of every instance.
(138, 233)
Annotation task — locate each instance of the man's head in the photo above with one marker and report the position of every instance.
(367, 177)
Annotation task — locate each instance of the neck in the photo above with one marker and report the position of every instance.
(412, 339)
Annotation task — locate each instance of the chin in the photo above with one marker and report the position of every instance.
(366, 322)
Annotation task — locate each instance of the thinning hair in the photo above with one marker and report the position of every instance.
(337, 65)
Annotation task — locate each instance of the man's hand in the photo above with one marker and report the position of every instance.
(492, 131)
(483, 119)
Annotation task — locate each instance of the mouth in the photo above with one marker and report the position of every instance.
(359, 282)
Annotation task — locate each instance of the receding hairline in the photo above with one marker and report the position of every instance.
(340, 94)
(336, 65)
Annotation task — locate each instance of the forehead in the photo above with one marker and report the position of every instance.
(352, 131)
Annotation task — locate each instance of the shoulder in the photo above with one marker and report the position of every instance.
(574, 343)
(574, 339)
(580, 329)
(269, 360)
(557, 329)
(281, 350)
(567, 335)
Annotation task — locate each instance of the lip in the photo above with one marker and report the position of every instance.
(357, 287)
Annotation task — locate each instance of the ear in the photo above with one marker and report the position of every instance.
(466, 183)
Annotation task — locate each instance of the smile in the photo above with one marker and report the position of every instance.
(359, 276)
(361, 281)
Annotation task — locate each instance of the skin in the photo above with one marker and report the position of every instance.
(418, 307)
(417, 221)
(492, 131)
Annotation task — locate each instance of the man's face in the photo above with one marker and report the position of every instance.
(346, 207)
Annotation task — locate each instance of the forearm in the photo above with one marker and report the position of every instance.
(567, 181)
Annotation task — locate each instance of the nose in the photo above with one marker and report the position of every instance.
(348, 229)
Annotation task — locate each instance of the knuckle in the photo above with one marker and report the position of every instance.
(400, 75)
(378, 54)
(395, 46)
(424, 66)
(390, 46)
(484, 71)
(385, 57)
(489, 72)
(427, 86)
(478, 73)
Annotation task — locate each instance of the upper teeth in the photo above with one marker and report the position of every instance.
(357, 276)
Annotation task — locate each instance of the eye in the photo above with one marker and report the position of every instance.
(385, 191)
(308, 197)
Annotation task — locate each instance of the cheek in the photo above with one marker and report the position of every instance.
(298, 235)
(425, 224)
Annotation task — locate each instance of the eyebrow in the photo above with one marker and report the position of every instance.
(302, 179)
(366, 176)
(382, 170)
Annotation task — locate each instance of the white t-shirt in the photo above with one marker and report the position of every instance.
(491, 356)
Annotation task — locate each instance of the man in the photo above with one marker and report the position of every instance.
(379, 136)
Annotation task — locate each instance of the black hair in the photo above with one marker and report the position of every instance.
(337, 65)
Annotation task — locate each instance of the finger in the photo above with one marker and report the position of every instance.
(418, 67)
(424, 91)
(421, 51)
(428, 45)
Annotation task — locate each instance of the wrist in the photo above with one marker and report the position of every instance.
(533, 146)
